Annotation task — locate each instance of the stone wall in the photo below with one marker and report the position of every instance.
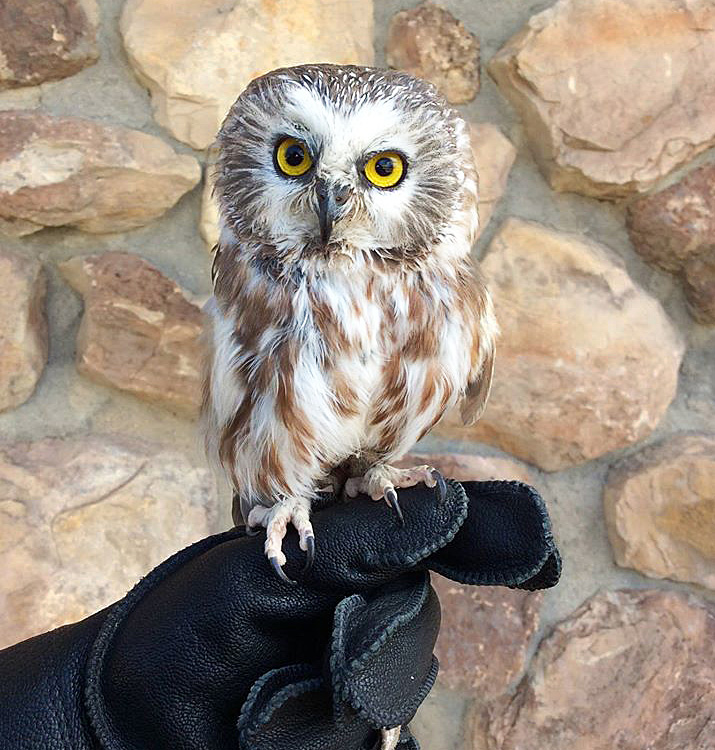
(593, 123)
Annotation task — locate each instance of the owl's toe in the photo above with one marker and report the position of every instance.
(275, 520)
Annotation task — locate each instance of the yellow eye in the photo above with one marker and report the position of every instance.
(385, 169)
(292, 157)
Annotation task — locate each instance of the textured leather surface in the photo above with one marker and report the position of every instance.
(212, 631)
(41, 689)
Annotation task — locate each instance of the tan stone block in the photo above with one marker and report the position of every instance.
(209, 222)
(430, 43)
(65, 171)
(587, 362)
(494, 156)
(82, 519)
(45, 40)
(629, 669)
(23, 328)
(484, 637)
(196, 56)
(139, 332)
(465, 467)
(613, 95)
(674, 229)
(660, 509)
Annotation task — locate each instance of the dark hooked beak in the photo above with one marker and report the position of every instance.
(331, 199)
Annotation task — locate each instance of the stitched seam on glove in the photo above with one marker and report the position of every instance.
(278, 700)
(296, 673)
(385, 719)
(414, 605)
(514, 576)
(341, 670)
(395, 560)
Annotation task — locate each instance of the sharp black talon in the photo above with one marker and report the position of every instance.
(441, 485)
(280, 572)
(391, 497)
(253, 530)
(309, 553)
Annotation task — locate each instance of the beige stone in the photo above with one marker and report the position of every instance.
(65, 171)
(82, 519)
(587, 362)
(465, 467)
(660, 510)
(628, 670)
(674, 229)
(484, 636)
(613, 95)
(429, 42)
(196, 56)
(45, 40)
(23, 328)
(208, 223)
(139, 332)
(494, 156)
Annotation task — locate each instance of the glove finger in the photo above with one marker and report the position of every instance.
(506, 539)
(381, 663)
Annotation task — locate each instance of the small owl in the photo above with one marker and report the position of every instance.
(347, 315)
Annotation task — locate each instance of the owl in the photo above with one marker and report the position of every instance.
(347, 314)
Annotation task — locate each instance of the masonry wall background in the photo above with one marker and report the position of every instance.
(97, 485)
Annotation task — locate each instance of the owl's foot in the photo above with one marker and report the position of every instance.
(275, 520)
(381, 481)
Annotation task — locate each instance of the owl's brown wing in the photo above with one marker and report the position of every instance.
(477, 391)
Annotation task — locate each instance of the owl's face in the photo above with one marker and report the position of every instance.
(320, 159)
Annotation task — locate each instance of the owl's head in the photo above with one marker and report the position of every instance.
(322, 159)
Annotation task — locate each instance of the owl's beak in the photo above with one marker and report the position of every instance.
(331, 199)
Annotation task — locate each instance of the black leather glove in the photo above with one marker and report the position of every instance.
(212, 651)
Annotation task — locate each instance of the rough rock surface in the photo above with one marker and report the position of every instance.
(23, 328)
(45, 40)
(494, 155)
(587, 361)
(429, 42)
(139, 332)
(466, 467)
(82, 519)
(196, 58)
(674, 229)
(57, 171)
(484, 636)
(208, 224)
(660, 509)
(629, 669)
(613, 95)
